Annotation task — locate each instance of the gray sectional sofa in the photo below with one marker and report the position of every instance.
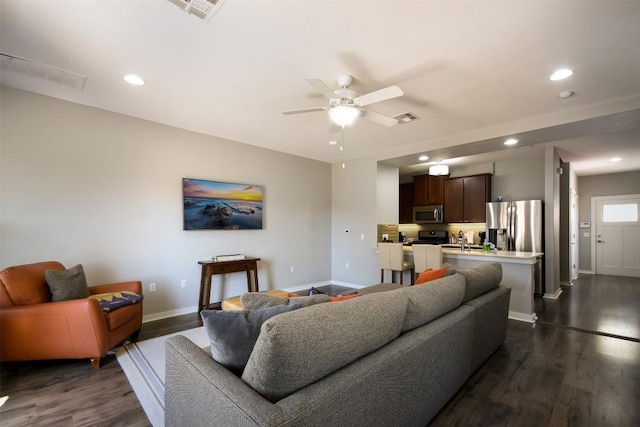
(391, 358)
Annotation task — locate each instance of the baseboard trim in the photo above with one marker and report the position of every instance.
(554, 295)
(586, 272)
(171, 313)
(349, 285)
(523, 317)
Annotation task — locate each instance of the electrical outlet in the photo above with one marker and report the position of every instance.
(293, 269)
(362, 236)
(183, 283)
(152, 287)
(346, 265)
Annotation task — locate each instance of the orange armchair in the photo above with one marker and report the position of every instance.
(32, 327)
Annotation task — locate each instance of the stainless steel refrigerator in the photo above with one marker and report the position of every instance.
(517, 226)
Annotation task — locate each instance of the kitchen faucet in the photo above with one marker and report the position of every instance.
(461, 239)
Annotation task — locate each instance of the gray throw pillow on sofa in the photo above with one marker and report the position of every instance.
(257, 300)
(67, 284)
(297, 349)
(233, 334)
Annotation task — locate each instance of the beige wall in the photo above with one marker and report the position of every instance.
(600, 185)
(354, 202)
(83, 185)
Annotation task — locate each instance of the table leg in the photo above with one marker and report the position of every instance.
(205, 289)
(202, 286)
(255, 279)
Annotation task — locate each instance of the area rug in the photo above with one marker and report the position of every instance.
(143, 364)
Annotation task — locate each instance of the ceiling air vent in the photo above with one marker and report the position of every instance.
(42, 71)
(204, 9)
(406, 118)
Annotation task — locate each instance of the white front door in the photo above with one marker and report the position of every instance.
(618, 236)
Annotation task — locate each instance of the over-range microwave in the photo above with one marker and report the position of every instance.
(432, 214)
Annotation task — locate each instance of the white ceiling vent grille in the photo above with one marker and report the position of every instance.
(42, 71)
(204, 9)
(405, 118)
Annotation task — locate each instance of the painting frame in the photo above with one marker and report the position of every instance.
(221, 205)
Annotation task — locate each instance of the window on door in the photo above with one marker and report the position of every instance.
(620, 213)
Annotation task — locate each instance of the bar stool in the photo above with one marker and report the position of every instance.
(392, 258)
(427, 256)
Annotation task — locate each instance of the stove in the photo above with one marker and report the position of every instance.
(432, 237)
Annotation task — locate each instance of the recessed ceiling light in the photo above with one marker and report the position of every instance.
(562, 73)
(333, 142)
(511, 141)
(133, 79)
(565, 94)
(616, 159)
(423, 158)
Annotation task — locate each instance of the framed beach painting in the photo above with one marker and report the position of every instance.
(214, 205)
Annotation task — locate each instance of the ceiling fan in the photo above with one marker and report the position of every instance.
(345, 105)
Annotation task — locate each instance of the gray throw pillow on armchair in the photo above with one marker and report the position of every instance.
(233, 334)
(67, 284)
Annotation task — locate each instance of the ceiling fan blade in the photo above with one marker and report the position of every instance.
(334, 128)
(304, 110)
(323, 88)
(379, 118)
(379, 95)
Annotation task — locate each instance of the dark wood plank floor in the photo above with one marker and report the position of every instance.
(553, 373)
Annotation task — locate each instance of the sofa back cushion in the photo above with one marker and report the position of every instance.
(481, 279)
(431, 300)
(26, 284)
(298, 348)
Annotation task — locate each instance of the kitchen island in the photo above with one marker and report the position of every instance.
(518, 273)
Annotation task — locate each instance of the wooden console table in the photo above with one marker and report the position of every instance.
(210, 267)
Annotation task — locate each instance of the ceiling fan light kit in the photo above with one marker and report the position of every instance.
(345, 105)
(344, 115)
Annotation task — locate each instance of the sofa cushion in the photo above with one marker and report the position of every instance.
(67, 284)
(481, 279)
(257, 300)
(431, 300)
(298, 348)
(121, 316)
(233, 333)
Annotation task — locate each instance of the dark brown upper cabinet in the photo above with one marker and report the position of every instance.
(465, 198)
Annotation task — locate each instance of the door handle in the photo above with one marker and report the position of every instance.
(600, 241)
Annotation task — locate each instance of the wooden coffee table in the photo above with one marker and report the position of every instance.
(234, 303)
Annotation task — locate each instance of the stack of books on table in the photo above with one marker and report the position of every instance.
(232, 257)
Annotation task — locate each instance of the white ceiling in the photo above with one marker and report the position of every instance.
(472, 71)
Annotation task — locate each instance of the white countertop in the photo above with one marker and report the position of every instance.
(500, 256)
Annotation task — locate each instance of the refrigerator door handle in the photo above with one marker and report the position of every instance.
(511, 232)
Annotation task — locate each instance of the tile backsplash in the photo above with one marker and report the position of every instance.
(411, 230)
(390, 229)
